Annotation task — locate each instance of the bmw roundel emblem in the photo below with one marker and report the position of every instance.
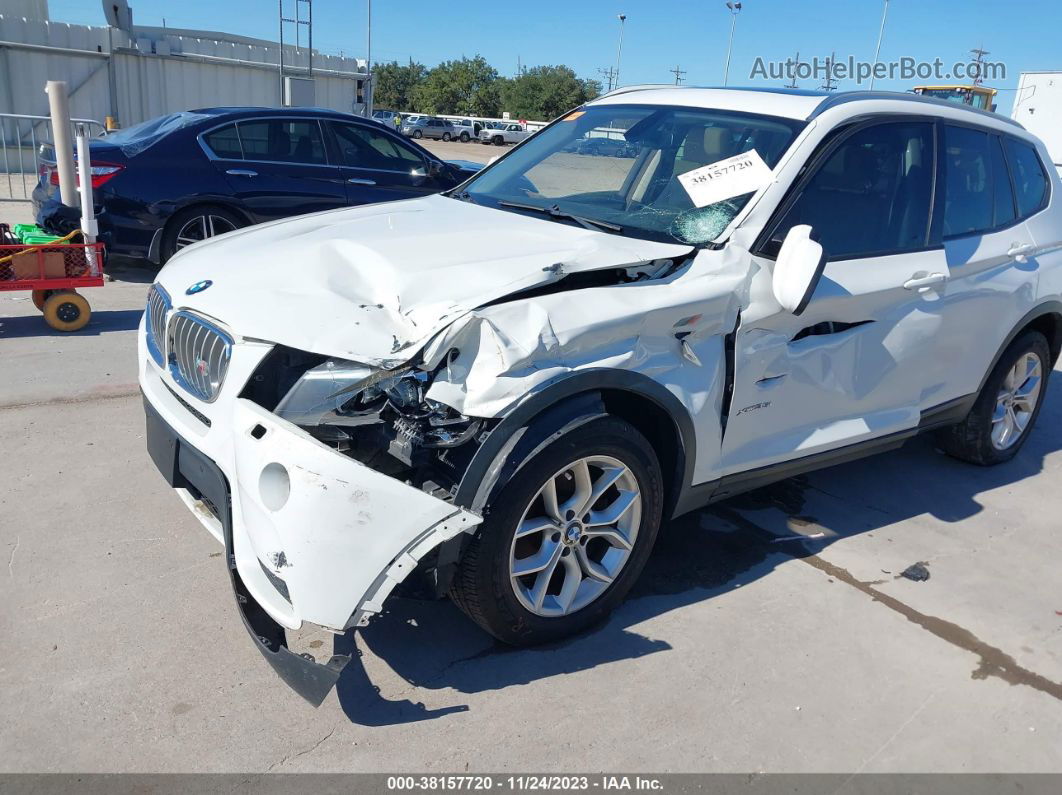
(198, 287)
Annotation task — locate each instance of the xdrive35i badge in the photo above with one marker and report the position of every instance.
(198, 287)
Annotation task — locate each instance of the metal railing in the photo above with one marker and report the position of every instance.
(20, 139)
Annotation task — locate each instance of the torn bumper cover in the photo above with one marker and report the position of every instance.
(325, 542)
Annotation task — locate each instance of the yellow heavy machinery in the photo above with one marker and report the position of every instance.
(976, 96)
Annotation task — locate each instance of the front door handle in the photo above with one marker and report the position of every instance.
(1019, 251)
(356, 181)
(242, 172)
(922, 282)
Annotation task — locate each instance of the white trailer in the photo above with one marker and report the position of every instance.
(1038, 107)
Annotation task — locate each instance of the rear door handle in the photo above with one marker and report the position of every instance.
(242, 172)
(356, 181)
(921, 282)
(1020, 251)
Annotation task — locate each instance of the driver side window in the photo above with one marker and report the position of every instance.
(872, 195)
(362, 148)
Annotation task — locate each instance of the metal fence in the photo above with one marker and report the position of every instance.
(20, 138)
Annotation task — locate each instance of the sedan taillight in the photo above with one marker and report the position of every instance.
(101, 173)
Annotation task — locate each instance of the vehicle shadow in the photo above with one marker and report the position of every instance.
(432, 645)
(103, 321)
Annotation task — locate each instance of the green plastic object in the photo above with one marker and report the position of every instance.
(38, 240)
(21, 230)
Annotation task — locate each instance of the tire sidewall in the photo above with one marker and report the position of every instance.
(609, 436)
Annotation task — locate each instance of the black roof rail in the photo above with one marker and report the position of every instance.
(844, 97)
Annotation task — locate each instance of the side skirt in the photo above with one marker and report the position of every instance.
(713, 491)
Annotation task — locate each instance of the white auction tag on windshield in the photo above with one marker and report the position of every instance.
(725, 179)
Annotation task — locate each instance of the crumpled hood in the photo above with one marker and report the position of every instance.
(374, 283)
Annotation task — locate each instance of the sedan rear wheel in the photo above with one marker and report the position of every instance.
(446, 136)
(195, 224)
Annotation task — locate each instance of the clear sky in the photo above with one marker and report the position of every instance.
(659, 34)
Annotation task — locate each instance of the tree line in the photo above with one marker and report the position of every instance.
(472, 87)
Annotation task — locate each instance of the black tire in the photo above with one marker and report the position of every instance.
(446, 136)
(971, 439)
(481, 586)
(169, 243)
(499, 141)
(465, 137)
(418, 134)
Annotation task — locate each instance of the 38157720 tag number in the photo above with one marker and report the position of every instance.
(725, 179)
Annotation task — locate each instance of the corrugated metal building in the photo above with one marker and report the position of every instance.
(143, 72)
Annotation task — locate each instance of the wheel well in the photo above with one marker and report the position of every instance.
(1050, 325)
(657, 426)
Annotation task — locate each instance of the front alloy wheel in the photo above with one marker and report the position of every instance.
(576, 536)
(566, 537)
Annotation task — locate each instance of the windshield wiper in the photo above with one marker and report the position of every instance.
(464, 196)
(557, 212)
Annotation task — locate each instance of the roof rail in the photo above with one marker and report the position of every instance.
(844, 97)
(640, 87)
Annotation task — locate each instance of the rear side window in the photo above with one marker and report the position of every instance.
(224, 142)
(977, 193)
(283, 141)
(871, 196)
(362, 148)
(1030, 181)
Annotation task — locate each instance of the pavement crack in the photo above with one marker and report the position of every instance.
(117, 394)
(993, 662)
(305, 751)
(11, 560)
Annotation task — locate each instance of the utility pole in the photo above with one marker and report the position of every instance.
(828, 84)
(678, 73)
(792, 64)
(735, 9)
(877, 51)
(979, 54)
(619, 50)
(608, 74)
(368, 59)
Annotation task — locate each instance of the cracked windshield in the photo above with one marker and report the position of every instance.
(617, 168)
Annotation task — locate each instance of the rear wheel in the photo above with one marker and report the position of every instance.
(1004, 412)
(566, 538)
(499, 141)
(446, 136)
(39, 297)
(66, 310)
(465, 138)
(194, 224)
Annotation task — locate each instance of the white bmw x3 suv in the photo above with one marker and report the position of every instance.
(511, 386)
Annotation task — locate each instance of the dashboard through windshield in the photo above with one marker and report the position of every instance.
(619, 166)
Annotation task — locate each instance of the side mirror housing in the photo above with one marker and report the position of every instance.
(798, 269)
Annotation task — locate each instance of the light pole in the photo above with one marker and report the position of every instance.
(877, 51)
(619, 51)
(734, 9)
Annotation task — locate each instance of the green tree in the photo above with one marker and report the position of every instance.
(465, 87)
(545, 92)
(393, 84)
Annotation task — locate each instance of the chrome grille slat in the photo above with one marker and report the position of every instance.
(195, 340)
(158, 307)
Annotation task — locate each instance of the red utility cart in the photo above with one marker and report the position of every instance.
(54, 272)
